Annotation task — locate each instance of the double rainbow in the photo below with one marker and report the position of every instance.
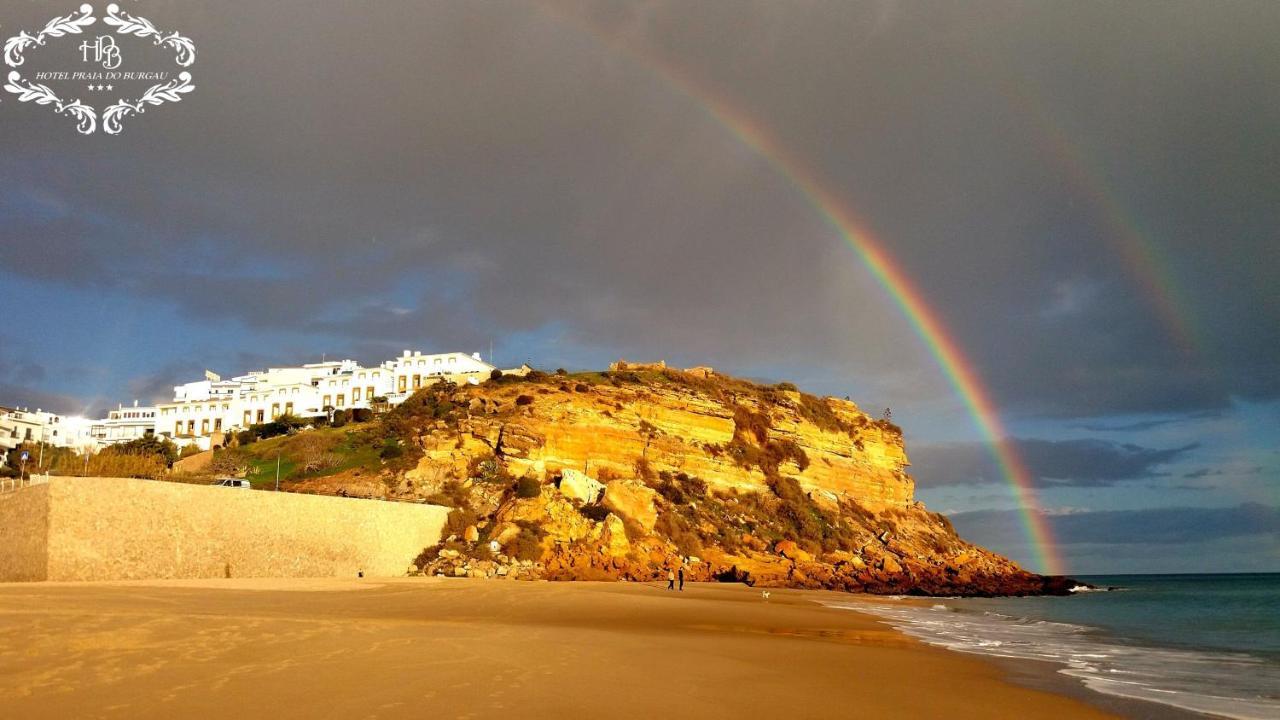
(809, 183)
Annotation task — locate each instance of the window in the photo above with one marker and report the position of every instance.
(191, 427)
(417, 381)
(248, 418)
(275, 410)
(177, 428)
(217, 425)
(368, 393)
(355, 395)
(260, 414)
(204, 426)
(288, 408)
(403, 382)
(342, 399)
(328, 400)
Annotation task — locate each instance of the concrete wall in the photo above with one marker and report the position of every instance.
(24, 534)
(119, 529)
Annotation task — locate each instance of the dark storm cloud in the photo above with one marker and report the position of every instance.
(158, 386)
(404, 173)
(1065, 463)
(1121, 527)
(1143, 425)
(1218, 472)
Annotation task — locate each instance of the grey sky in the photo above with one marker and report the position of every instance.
(357, 178)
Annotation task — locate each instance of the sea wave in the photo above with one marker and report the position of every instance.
(1232, 685)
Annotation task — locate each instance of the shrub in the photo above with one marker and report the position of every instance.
(679, 531)
(527, 487)
(458, 520)
(229, 462)
(753, 423)
(452, 494)
(643, 472)
(594, 512)
(427, 555)
(527, 544)
(489, 470)
(161, 447)
(524, 400)
(681, 489)
(391, 449)
(818, 411)
(495, 374)
(582, 387)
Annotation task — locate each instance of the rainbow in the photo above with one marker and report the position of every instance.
(1142, 256)
(958, 370)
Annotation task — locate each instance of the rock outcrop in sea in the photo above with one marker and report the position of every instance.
(628, 473)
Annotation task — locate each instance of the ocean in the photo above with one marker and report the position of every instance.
(1204, 643)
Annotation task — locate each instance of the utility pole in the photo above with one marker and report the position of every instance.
(277, 472)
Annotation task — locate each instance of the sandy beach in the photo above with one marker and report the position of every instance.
(472, 649)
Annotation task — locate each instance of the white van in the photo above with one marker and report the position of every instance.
(233, 482)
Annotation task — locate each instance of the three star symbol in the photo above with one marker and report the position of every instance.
(100, 87)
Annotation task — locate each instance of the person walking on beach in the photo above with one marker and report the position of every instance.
(671, 580)
(681, 572)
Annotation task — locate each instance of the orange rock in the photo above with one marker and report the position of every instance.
(632, 501)
(792, 551)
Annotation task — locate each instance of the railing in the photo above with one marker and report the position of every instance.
(8, 485)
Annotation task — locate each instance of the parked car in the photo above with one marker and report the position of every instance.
(233, 482)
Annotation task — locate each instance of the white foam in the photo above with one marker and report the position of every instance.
(1232, 685)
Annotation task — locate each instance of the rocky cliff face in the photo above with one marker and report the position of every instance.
(630, 472)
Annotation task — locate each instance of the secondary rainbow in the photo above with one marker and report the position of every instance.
(961, 374)
(1143, 257)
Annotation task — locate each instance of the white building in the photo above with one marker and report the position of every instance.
(22, 425)
(124, 424)
(18, 426)
(202, 412)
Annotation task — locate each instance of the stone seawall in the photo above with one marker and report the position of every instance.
(125, 529)
(24, 534)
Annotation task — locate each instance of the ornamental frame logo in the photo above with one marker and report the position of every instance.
(104, 53)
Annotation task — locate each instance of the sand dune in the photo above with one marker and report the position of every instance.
(473, 649)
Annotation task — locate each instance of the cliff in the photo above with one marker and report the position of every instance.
(626, 473)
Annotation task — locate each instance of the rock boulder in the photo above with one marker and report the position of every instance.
(577, 485)
(633, 502)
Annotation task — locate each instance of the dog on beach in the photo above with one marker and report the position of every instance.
(764, 594)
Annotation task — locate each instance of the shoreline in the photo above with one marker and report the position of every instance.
(392, 648)
(1045, 675)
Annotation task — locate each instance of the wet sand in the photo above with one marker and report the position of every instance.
(475, 649)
